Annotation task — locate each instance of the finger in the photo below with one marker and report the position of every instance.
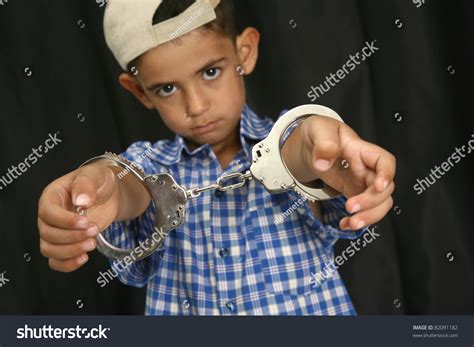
(59, 236)
(386, 167)
(370, 198)
(367, 217)
(323, 133)
(52, 213)
(92, 185)
(383, 162)
(344, 223)
(63, 252)
(68, 265)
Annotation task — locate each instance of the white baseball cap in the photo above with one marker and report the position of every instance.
(129, 30)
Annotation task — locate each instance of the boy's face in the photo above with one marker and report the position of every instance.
(194, 85)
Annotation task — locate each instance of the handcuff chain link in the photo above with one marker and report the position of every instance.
(220, 184)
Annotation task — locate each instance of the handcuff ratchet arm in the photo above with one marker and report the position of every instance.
(270, 169)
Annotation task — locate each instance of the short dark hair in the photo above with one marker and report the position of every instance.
(224, 24)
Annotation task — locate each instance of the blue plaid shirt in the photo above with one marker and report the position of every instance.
(232, 256)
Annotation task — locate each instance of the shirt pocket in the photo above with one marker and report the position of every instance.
(289, 253)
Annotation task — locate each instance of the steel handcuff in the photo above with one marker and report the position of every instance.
(169, 198)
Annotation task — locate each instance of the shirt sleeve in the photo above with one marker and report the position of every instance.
(129, 234)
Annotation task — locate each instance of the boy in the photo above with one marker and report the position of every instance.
(187, 61)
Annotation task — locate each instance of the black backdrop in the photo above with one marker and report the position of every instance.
(412, 97)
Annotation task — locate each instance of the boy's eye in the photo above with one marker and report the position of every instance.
(212, 73)
(167, 90)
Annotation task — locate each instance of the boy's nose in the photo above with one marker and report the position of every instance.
(197, 103)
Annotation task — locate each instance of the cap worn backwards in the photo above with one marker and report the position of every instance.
(129, 30)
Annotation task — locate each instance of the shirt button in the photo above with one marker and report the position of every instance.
(231, 307)
(224, 252)
(218, 194)
(186, 303)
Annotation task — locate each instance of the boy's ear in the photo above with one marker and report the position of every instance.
(131, 84)
(247, 48)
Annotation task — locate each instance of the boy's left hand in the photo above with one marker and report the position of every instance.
(360, 170)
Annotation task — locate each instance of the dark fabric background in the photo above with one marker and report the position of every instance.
(73, 89)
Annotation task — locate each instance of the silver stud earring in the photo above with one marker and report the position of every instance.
(240, 70)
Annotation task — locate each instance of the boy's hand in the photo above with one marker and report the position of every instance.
(366, 179)
(65, 236)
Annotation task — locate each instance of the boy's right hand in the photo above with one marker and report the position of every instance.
(65, 236)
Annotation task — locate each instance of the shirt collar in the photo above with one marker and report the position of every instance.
(252, 129)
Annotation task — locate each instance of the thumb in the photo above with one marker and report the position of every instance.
(326, 145)
(321, 134)
(325, 156)
(93, 185)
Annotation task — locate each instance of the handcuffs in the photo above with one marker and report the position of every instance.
(169, 198)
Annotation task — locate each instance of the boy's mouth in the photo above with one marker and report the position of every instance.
(206, 128)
